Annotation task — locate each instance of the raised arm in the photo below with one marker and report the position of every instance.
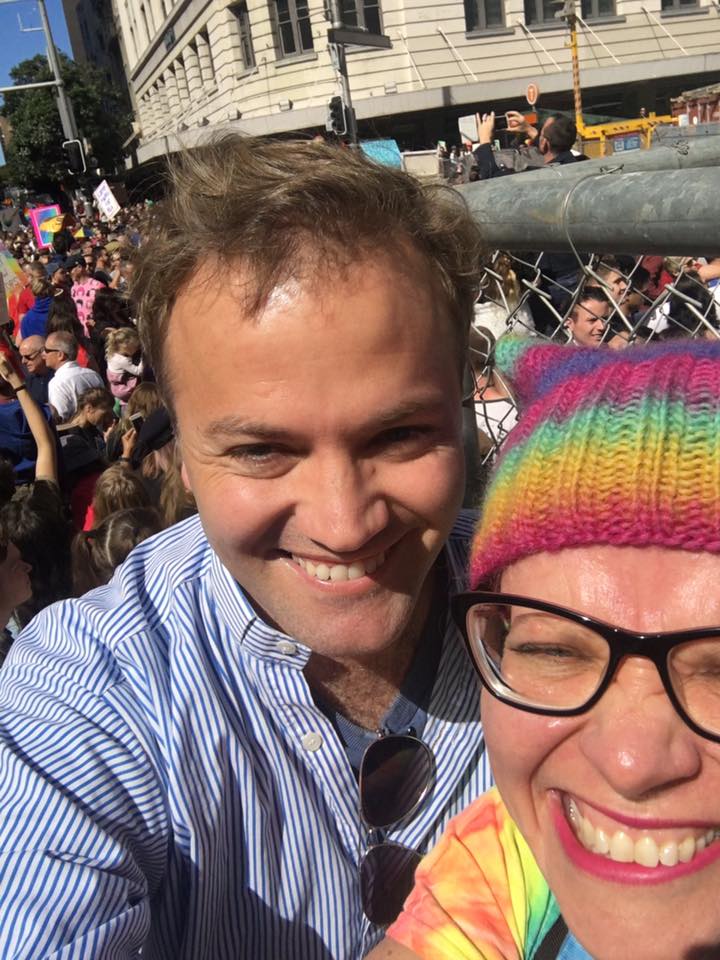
(46, 463)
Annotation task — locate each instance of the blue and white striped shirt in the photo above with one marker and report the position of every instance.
(168, 784)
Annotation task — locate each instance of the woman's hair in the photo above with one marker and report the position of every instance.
(117, 339)
(145, 399)
(505, 287)
(97, 552)
(683, 320)
(118, 488)
(176, 501)
(92, 399)
(63, 318)
(41, 288)
(40, 528)
(109, 309)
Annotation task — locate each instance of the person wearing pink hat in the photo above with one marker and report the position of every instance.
(594, 627)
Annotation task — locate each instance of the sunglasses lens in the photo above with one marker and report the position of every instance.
(387, 873)
(395, 775)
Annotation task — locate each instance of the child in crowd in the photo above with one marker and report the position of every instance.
(96, 553)
(124, 362)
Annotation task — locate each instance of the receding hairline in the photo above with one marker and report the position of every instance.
(399, 252)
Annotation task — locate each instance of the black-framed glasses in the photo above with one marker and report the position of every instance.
(51, 350)
(25, 357)
(397, 773)
(546, 659)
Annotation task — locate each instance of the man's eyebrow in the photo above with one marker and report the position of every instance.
(233, 425)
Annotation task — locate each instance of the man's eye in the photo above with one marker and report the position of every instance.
(399, 436)
(255, 453)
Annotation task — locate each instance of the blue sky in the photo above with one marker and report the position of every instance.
(17, 46)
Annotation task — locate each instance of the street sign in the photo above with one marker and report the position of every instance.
(532, 93)
(358, 38)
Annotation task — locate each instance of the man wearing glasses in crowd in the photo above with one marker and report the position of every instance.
(241, 747)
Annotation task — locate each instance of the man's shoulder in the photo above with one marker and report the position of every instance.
(84, 636)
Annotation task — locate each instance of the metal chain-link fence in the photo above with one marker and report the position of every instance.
(597, 300)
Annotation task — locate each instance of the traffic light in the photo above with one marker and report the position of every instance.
(74, 156)
(336, 119)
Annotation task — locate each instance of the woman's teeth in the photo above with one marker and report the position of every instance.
(340, 571)
(645, 851)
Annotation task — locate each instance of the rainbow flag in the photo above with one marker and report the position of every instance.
(12, 279)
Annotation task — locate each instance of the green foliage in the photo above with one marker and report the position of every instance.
(35, 155)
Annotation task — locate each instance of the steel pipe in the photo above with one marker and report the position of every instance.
(672, 212)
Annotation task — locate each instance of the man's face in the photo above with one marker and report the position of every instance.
(326, 458)
(587, 322)
(617, 284)
(52, 354)
(33, 358)
(76, 272)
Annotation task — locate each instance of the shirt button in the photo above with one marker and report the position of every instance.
(286, 648)
(312, 742)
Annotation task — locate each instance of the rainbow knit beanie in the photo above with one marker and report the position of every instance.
(611, 448)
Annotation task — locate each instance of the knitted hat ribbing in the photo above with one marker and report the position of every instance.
(611, 448)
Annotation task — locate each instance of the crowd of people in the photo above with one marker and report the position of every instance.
(314, 709)
(87, 445)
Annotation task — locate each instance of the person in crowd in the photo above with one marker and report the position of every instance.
(97, 553)
(69, 378)
(34, 323)
(37, 374)
(156, 457)
(84, 288)
(265, 686)
(63, 318)
(33, 517)
(111, 311)
(593, 628)
(144, 401)
(59, 278)
(587, 322)
(500, 305)
(117, 488)
(494, 409)
(124, 362)
(554, 141)
(613, 279)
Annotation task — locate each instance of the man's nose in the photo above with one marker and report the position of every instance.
(341, 507)
(635, 738)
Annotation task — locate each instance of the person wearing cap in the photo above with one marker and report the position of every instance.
(84, 288)
(240, 748)
(59, 277)
(594, 627)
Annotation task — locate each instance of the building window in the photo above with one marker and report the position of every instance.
(483, 14)
(671, 5)
(240, 12)
(294, 33)
(362, 14)
(595, 9)
(541, 11)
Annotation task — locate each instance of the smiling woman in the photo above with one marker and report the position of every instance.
(594, 626)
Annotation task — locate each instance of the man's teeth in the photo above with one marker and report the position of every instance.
(340, 571)
(621, 847)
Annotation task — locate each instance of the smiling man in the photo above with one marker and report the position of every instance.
(240, 746)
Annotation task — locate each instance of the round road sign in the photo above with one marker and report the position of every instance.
(532, 93)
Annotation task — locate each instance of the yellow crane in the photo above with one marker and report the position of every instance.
(603, 131)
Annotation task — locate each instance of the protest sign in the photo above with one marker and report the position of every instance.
(106, 200)
(45, 222)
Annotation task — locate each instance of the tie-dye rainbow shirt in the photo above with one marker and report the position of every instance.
(479, 894)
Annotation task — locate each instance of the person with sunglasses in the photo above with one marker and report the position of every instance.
(594, 626)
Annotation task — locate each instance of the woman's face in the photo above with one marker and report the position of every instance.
(15, 587)
(101, 417)
(629, 766)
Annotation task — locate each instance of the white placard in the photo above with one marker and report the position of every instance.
(106, 201)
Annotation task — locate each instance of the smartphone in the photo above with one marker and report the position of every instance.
(137, 421)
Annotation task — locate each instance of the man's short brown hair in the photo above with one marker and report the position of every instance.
(279, 208)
